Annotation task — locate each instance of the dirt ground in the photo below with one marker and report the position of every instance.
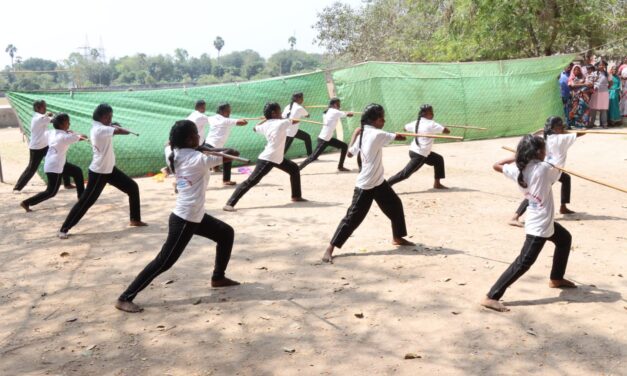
(294, 316)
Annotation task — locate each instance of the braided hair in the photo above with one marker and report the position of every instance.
(295, 97)
(179, 134)
(527, 150)
(424, 109)
(551, 123)
(371, 113)
(332, 102)
(59, 120)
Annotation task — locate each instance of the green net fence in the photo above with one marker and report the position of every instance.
(507, 97)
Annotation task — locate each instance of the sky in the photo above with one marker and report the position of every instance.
(55, 28)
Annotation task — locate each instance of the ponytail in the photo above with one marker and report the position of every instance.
(295, 97)
(423, 110)
(528, 149)
(179, 134)
(550, 124)
(371, 113)
(332, 102)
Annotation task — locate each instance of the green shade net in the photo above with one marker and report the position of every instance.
(509, 98)
(151, 113)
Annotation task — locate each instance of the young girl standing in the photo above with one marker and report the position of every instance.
(420, 149)
(370, 185)
(221, 125)
(102, 170)
(557, 144)
(275, 130)
(331, 116)
(199, 118)
(59, 141)
(192, 169)
(535, 177)
(295, 110)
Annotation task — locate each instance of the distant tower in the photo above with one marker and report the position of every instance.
(101, 51)
(86, 49)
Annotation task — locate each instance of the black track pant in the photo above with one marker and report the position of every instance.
(387, 200)
(35, 158)
(261, 169)
(95, 184)
(415, 162)
(180, 232)
(322, 144)
(528, 255)
(565, 194)
(54, 182)
(301, 135)
(227, 164)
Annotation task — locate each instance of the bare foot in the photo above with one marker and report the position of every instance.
(25, 206)
(343, 169)
(228, 208)
(229, 182)
(438, 185)
(328, 255)
(299, 199)
(16, 192)
(62, 235)
(401, 241)
(494, 304)
(224, 282)
(69, 186)
(561, 283)
(137, 223)
(515, 222)
(128, 306)
(565, 210)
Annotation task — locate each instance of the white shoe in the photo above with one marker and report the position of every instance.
(62, 235)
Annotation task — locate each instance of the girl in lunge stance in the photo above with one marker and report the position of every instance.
(192, 169)
(420, 149)
(535, 177)
(274, 129)
(557, 144)
(221, 125)
(370, 183)
(331, 116)
(295, 110)
(59, 141)
(102, 170)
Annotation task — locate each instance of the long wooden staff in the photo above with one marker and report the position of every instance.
(323, 106)
(598, 132)
(224, 155)
(310, 121)
(118, 126)
(252, 118)
(466, 127)
(429, 135)
(579, 175)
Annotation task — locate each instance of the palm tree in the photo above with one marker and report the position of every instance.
(11, 50)
(218, 44)
(292, 41)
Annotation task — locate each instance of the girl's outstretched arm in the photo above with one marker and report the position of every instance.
(498, 166)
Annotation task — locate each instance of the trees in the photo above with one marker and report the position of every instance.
(292, 41)
(11, 50)
(218, 43)
(292, 61)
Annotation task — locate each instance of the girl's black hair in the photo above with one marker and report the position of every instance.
(102, 110)
(332, 102)
(179, 134)
(596, 66)
(424, 109)
(38, 103)
(199, 103)
(269, 108)
(60, 119)
(223, 107)
(295, 97)
(371, 113)
(551, 123)
(528, 149)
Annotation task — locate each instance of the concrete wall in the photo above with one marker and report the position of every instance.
(8, 117)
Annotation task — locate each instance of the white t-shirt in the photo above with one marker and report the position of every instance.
(330, 120)
(38, 125)
(425, 143)
(167, 150)
(275, 131)
(371, 174)
(297, 112)
(192, 170)
(59, 142)
(539, 177)
(200, 120)
(557, 147)
(220, 130)
(103, 159)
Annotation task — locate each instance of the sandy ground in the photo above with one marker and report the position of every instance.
(57, 296)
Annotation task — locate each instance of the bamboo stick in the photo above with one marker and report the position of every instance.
(428, 135)
(229, 156)
(597, 132)
(310, 121)
(252, 118)
(580, 175)
(466, 127)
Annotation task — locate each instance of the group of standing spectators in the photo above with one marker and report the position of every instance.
(588, 90)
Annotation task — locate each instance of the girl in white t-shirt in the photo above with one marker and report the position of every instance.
(59, 140)
(535, 177)
(370, 185)
(275, 130)
(331, 116)
(221, 125)
(557, 144)
(295, 110)
(420, 148)
(192, 169)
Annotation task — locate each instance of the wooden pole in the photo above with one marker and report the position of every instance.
(580, 175)
(428, 135)
(466, 127)
(316, 106)
(598, 132)
(252, 118)
(229, 156)
(310, 121)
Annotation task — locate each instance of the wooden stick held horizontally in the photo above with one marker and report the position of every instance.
(579, 175)
(466, 127)
(597, 132)
(429, 135)
(229, 156)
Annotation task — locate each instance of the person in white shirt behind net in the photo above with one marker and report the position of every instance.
(370, 185)
(219, 131)
(199, 118)
(535, 178)
(295, 110)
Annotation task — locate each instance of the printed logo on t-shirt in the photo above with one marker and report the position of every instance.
(52, 150)
(183, 182)
(95, 148)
